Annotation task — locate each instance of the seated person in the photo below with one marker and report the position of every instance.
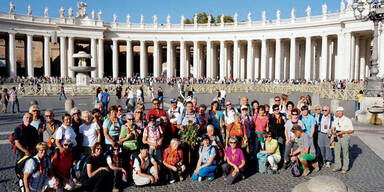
(206, 165)
(62, 163)
(37, 170)
(306, 152)
(215, 142)
(99, 177)
(115, 163)
(234, 157)
(173, 161)
(273, 151)
(145, 169)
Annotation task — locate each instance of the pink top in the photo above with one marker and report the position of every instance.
(261, 123)
(235, 158)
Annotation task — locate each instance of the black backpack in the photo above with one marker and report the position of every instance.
(79, 171)
(20, 164)
(136, 156)
(296, 170)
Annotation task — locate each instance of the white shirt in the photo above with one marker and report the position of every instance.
(130, 94)
(89, 134)
(66, 132)
(138, 93)
(229, 115)
(342, 124)
(175, 114)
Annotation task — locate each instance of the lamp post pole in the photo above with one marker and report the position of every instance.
(371, 10)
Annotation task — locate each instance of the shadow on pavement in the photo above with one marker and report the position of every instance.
(355, 151)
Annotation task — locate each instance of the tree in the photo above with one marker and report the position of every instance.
(227, 19)
(202, 18)
(188, 21)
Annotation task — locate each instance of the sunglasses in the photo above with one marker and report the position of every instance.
(325, 110)
(99, 148)
(269, 136)
(49, 116)
(67, 145)
(130, 119)
(232, 142)
(294, 114)
(277, 100)
(276, 109)
(228, 104)
(115, 149)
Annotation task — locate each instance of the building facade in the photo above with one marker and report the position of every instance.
(331, 46)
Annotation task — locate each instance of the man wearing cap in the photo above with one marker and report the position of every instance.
(343, 128)
(244, 102)
(156, 111)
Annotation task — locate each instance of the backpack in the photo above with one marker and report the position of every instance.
(262, 160)
(178, 154)
(11, 138)
(136, 156)
(20, 164)
(79, 171)
(296, 170)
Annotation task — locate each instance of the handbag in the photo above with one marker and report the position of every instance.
(296, 170)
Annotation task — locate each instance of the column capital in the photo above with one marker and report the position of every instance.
(308, 37)
(277, 38)
(324, 35)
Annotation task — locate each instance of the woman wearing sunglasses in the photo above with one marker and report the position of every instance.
(273, 151)
(233, 169)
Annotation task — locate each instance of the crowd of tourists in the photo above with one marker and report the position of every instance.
(111, 147)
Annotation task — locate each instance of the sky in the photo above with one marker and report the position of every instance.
(175, 8)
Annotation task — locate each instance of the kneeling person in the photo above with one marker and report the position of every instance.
(306, 151)
(173, 161)
(145, 168)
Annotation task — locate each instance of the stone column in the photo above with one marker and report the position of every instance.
(257, 61)
(264, 63)
(352, 60)
(30, 65)
(222, 60)
(47, 57)
(292, 61)
(363, 47)
(63, 57)
(101, 58)
(339, 66)
(129, 62)
(250, 60)
(115, 59)
(236, 67)
(324, 57)
(143, 60)
(279, 71)
(201, 61)
(346, 68)
(169, 59)
(357, 57)
(93, 59)
(308, 58)
(12, 56)
(209, 60)
(195, 59)
(214, 61)
(242, 61)
(182, 59)
(381, 56)
(70, 59)
(156, 65)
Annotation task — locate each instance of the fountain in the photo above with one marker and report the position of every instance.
(82, 77)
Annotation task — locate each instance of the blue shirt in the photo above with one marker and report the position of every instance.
(113, 129)
(308, 122)
(207, 153)
(215, 119)
(104, 97)
(184, 118)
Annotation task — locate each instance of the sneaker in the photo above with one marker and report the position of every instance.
(181, 178)
(336, 169)
(306, 172)
(287, 165)
(200, 179)
(317, 169)
(172, 181)
(115, 190)
(344, 172)
(328, 164)
(211, 178)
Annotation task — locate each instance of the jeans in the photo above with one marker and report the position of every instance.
(287, 151)
(205, 172)
(325, 151)
(62, 94)
(14, 104)
(105, 108)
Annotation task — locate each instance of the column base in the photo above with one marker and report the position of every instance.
(374, 87)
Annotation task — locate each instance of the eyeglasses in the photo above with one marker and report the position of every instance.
(269, 136)
(99, 148)
(325, 110)
(232, 142)
(130, 119)
(276, 109)
(67, 145)
(49, 116)
(228, 104)
(155, 103)
(35, 111)
(139, 112)
(277, 100)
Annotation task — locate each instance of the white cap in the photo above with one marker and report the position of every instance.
(340, 109)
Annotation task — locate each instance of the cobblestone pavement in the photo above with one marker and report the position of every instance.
(366, 172)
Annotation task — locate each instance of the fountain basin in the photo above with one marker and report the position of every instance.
(81, 69)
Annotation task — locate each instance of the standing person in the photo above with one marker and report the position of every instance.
(26, 137)
(173, 113)
(49, 128)
(153, 136)
(325, 123)
(261, 127)
(308, 120)
(278, 103)
(358, 101)
(89, 132)
(343, 128)
(98, 95)
(290, 144)
(204, 118)
(188, 116)
(244, 102)
(276, 127)
(62, 92)
(237, 129)
(4, 100)
(37, 120)
(76, 123)
(255, 108)
(308, 102)
(235, 161)
(37, 171)
(118, 92)
(130, 102)
(156, 111)
(160, 96)
(229, 113)
(306, 152)
(14, 100)
(216, 118)
(65, 132)
(206, 165)
(290, 107)
(111, 127)
(129, 136)
(105, 98)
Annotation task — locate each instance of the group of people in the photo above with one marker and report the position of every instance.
(146, 146)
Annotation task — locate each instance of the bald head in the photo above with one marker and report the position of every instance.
(27, 119)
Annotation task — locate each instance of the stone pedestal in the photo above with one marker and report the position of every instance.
(335, 103)
(322, 183)
(362, 115)
(315, 99)
(82, 79)
(69, 103)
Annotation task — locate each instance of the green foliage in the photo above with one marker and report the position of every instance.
(188, 21)
(227, 19)
(189, 135)
(202, 18)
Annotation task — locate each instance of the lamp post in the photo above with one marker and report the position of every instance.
(371, 10)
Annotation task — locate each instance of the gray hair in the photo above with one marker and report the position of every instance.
(174, 141)
(233, 139)
(210, 127)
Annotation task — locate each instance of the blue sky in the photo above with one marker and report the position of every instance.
(175, 8)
